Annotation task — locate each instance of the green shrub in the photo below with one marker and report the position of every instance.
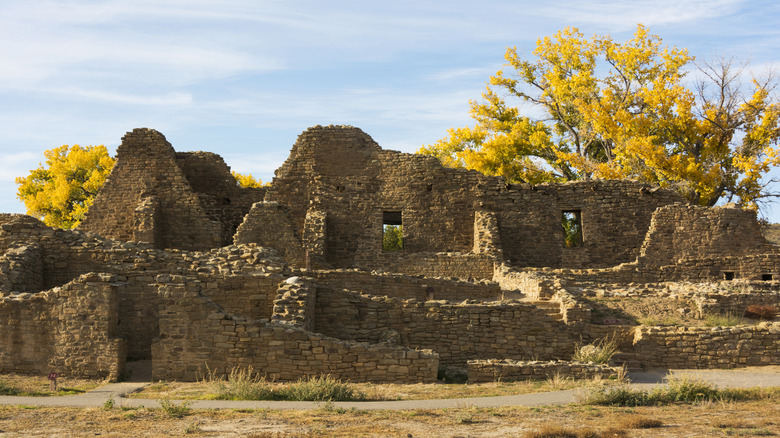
(175, 410)
(6, 389)
(240, 384)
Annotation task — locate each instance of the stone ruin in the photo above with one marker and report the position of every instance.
(177, 265)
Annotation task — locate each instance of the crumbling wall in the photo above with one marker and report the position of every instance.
(458, 332)
(615, 216)
(189, 200)
(687, 232)
(269, 225)
(341, 171)
(708, 347)
(196, 335)
(71, 330)
(506, 370)
(407, 287)
(240, 277)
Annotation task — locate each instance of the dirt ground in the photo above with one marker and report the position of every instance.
(704, 420)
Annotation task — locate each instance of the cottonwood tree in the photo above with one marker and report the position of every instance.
(622, 111)
(61, 191)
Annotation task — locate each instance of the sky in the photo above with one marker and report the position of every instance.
(243, 78)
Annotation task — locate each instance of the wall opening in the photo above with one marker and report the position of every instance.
(392, 231)
(571, 221)
(766, 277)
(728, 275)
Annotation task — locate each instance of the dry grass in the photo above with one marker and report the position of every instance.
(39, 386)
(378, 392)
(756, 418)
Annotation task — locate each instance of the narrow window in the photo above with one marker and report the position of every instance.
(392, 231)
(572, 228)
(766, 277)
(728, 275)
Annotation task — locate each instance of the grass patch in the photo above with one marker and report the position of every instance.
(678, 390)
(241, 384)
(36, 386)
(600, 352)
(725, 320)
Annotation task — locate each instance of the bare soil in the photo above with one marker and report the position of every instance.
(704, 420)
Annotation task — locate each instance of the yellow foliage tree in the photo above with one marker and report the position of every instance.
(247, 181)
(622, 110)
(61, 191)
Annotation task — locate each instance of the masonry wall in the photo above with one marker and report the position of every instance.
(192, 197)
(341, 171)
(457, 332)
(717, 347)
(680, 233)
(615, 216)
(196, 335)
(406, 287)
(239, 277)
(71, 330)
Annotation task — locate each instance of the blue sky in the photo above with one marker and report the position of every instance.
(244, 78)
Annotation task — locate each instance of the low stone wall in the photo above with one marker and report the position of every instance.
(529, 283)
(458, 332)
(702, 347)
(196, 335)
(247, 294)
(406, 286)
(441, 264)
(505, 370)
(71, 330)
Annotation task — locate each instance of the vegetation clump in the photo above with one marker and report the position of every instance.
(241, 384)
(600, 352)
(678, 390)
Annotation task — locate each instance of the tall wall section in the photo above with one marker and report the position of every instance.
(342, 172)
(71, 330)
(185, 200)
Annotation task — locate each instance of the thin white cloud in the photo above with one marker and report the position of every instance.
(623, 15)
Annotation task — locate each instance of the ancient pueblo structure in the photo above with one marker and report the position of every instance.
(177, 264)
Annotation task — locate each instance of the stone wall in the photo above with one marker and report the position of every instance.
(197, 335)
(405, 286)
(687, 232)
(240, 277)
(269, 225)
(71, 330)
(190, 200)
(341, 171)
(615, 216)
(716, 347)
(481, 371)
(458, 332)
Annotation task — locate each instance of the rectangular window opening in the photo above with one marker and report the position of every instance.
(392, 231)
(571, 220)
(728, 275)
(766, 277)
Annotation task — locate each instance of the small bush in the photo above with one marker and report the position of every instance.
(241, 385)
(175, 410)
(762, 312)
(321, 388)
(600, 352)
(6, 389)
